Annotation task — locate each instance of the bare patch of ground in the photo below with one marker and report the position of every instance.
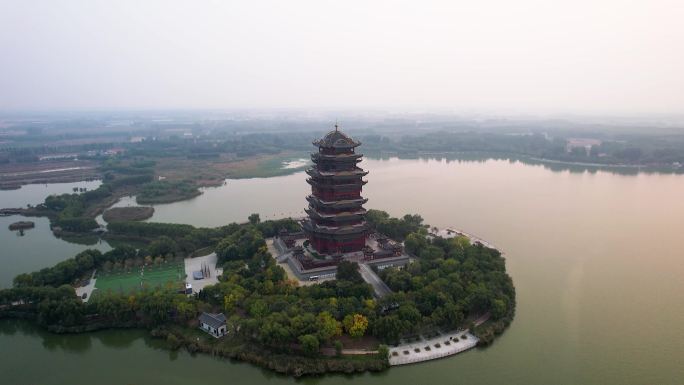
(17, 174)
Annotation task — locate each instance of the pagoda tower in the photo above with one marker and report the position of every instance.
(336, 222)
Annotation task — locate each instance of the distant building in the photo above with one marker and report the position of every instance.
(584, 143)
(114, 151)
(213, 324)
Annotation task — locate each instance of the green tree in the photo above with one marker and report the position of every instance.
(349, 271)
(498, 308)
(254, 218)
(415, 242)
(240, 245)
(327, 326)
(383, 351)
(258, 309)
(309, 344)
(389, 328)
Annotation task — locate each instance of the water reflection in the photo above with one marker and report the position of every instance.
(556, 166)
(595, 257)
(37, 249)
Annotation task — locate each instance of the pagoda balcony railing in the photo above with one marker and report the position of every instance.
(325, 184)
(344, 215)
(336, 174)
(319, 156)
(325, 165)
(339, 203)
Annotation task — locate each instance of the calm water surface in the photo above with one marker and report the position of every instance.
(597, 260)
(38, 248)
(34, 194)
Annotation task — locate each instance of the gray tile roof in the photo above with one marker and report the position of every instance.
(213, 320)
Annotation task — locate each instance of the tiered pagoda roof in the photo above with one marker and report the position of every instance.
(336, 215)
(336, 139)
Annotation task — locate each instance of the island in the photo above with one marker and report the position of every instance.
(21, 225)
(344, 289)
(135, 213)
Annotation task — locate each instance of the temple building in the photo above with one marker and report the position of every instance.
(336, 217)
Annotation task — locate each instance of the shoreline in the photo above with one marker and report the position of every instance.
(479, 332)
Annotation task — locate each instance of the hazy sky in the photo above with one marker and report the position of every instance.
(595, 56)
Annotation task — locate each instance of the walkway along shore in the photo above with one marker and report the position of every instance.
(441, 346)
(451, 233)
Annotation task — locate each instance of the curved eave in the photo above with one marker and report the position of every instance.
(339, 230)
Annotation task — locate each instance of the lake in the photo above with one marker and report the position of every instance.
(38, 248)
(596, 257)
(34, 194)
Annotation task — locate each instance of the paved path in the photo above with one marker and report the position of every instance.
(281, 259)
(195, 264)
(350, 352)
(451, 233)
(449, 344)
(381, 289)
(87, 289)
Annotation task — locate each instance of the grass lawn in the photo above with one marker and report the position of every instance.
(169, 274)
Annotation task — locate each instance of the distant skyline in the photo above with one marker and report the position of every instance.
(616, 57)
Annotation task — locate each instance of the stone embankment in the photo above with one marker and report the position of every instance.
(441, 346)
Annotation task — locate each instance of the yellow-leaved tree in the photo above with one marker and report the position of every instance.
(355, 325)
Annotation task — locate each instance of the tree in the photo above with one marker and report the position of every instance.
(327, 326)
(415, 242)
(162, 246)
(107, 266)
(355, 325)
(309, 344)
(173, 341)
(159, 260)
(185, 310)
(240, 245)
(408, 312)
(338, 347)
(254, 218)
(389, 328)
(275, 334)
(594, 151)
(431, 252)
(461, 241)
(258, 309)
(230, 301)
(349, 271)
(383, 351)
(498, 308)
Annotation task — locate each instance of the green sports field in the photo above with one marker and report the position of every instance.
(168, 275)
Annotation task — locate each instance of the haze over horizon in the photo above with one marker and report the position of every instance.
(529, 56)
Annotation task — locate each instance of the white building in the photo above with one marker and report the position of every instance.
(213, 324)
